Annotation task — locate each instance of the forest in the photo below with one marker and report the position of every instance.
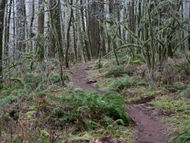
(97, 71)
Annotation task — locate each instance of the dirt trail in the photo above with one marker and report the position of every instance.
(149, 129)
(79, 78)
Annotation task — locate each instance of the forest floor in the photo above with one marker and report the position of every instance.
(148, 128)
(103, 103)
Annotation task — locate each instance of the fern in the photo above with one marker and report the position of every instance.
(115, 70)
(183, 137)
(8, 99)
(55, 78)
(119, 85)
(32, 81)
(92, 110)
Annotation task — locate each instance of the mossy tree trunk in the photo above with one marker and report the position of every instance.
(68, 37)
(84, 32)
(31, 34)
(40, 41)
(56, 26)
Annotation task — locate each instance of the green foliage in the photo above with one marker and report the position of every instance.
(55, 78)
(137, 62)
(115, 70)
(32, 81)
(102, 70)
(99, 65)
(180, 53)
(90, 110)
(119, 85)
(177, 86)
(43, 136)
(183, 137)
(121, 59)
(17, 138)
(8, 99)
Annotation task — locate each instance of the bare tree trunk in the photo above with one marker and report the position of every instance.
(186, 15)
(95, 36)
(31, 34)
(2, 9)
(40, 41)
(74, 39)
(20, 23)
(14, 29)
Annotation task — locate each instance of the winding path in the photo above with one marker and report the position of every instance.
(149, 129)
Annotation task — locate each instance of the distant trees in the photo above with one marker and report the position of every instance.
(93, 28)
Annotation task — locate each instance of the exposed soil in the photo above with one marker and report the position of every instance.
(79, 78)
(143, 100)
(149, 129)
(109, 139)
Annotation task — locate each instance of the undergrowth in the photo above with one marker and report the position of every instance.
(74, 110)
(130, 81)
(114, 71)
(170, 86)
(183, 137)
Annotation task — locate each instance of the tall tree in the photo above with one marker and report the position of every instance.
(84, 32)
(2, 9)
(56, 26)
(31, 34)
(7, 24)
(186, 16)
(40, 41)
(95, 31)
(68, 36)
(20, 25)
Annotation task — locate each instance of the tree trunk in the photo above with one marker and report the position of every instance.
(20, 25)
(68, 37)
(7, 24)
(56, 26)
(186, 15)
(31, 34)
(95, 36)
(2, 8)
(85, 38)
(40, 41)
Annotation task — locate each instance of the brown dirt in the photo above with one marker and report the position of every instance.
(79, 78)
(149, 129)
(109, 139)
(143, 100)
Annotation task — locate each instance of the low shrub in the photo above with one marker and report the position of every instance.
(115, 70)
(119, 85)
(88, 111)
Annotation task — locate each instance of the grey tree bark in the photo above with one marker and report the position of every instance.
(20, 25)
(2, 9)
